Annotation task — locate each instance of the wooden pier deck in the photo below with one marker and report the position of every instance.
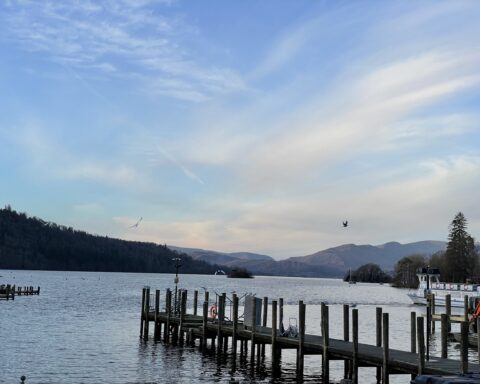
(8, 292)
(216, 333)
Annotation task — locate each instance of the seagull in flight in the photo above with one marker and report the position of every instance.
(137, 223)
(345, 224)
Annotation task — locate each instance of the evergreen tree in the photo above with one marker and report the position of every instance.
(460, 257)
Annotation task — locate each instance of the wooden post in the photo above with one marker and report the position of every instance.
(386, 351)
(142, 316)
(325, 343)
(204, 329)
(235, 325)
(219, 323)
(156, 331)
(253, 330)
(355, 346)
(432, 312)
(413, 332)
(195, 302)
(378, 338)
(429, 316)
(224, 310)
(421, 345)
(444, 335)
(274, 338)
(301, 339)
(264, 320)
(465, 308)
(166, 332)
(448, 310)
(183, 311)
(464, 347)
(147, 310)
(478, 338)
(346, 337)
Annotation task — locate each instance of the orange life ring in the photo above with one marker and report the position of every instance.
(213, 311)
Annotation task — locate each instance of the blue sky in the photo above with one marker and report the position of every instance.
(242, 125)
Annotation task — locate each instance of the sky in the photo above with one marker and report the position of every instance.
(242, 125)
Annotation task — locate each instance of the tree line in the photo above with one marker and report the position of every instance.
(32, 243)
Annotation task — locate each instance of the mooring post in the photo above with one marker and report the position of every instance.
(195, 302)
(275, 364)
(264, 321)
(235, 326)
(478, 338)
(421, 345)
(464, 347)
(224, 311)
(413, 336)
(204, 328)
(378, 338)
(432, 312)
(346, 337)
(147, 310)
(142, 315)
(386, 350)
(465, 308)
(252, 332)
(301, 338)
(444, 335)
(166, 332)
(448, 309)
(183, 310)
(280, 321)
(429, 315)
(355, 346)
(156, 330)
(207, 296)
(325, 343)
(219, 324)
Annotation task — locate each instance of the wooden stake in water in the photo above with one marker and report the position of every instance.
(235, 325)
(346, 337)
(355, 346)
(386, 350)
(421, 345)
(325, 343)
(301, 339)
(378, 340)
(444, 335)
(464, 347)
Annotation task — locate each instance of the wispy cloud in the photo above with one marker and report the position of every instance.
(118, 38)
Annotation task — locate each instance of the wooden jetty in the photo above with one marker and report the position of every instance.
(215, 331)
(8, 292)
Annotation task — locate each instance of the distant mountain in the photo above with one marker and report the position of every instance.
(226, 259)
(331, 262)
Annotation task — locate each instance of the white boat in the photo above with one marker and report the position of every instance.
(429, 279)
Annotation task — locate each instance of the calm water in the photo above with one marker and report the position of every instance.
(84, 328)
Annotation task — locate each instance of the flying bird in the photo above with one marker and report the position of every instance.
(345, 224)
(137, 223)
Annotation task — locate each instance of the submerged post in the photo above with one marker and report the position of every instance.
(204, 326)
(448, 309)
(168, 303)
(253, 330)
(147, 310)
(264, 321)
(465, 308)
(195, 302)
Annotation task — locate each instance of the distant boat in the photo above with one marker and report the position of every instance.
(350, 280)
(429, 279)
(220, 272)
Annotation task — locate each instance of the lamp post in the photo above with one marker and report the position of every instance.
(177, 265)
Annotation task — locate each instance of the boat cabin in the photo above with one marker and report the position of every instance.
(428, 277)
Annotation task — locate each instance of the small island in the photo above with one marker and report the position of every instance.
(240, 273)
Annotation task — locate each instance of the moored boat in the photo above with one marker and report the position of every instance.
(429, 283)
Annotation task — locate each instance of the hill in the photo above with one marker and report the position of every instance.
(331, 262)
(32, 243)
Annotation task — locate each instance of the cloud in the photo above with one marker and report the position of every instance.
(118, 38)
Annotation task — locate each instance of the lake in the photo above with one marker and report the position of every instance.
(84, 328)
